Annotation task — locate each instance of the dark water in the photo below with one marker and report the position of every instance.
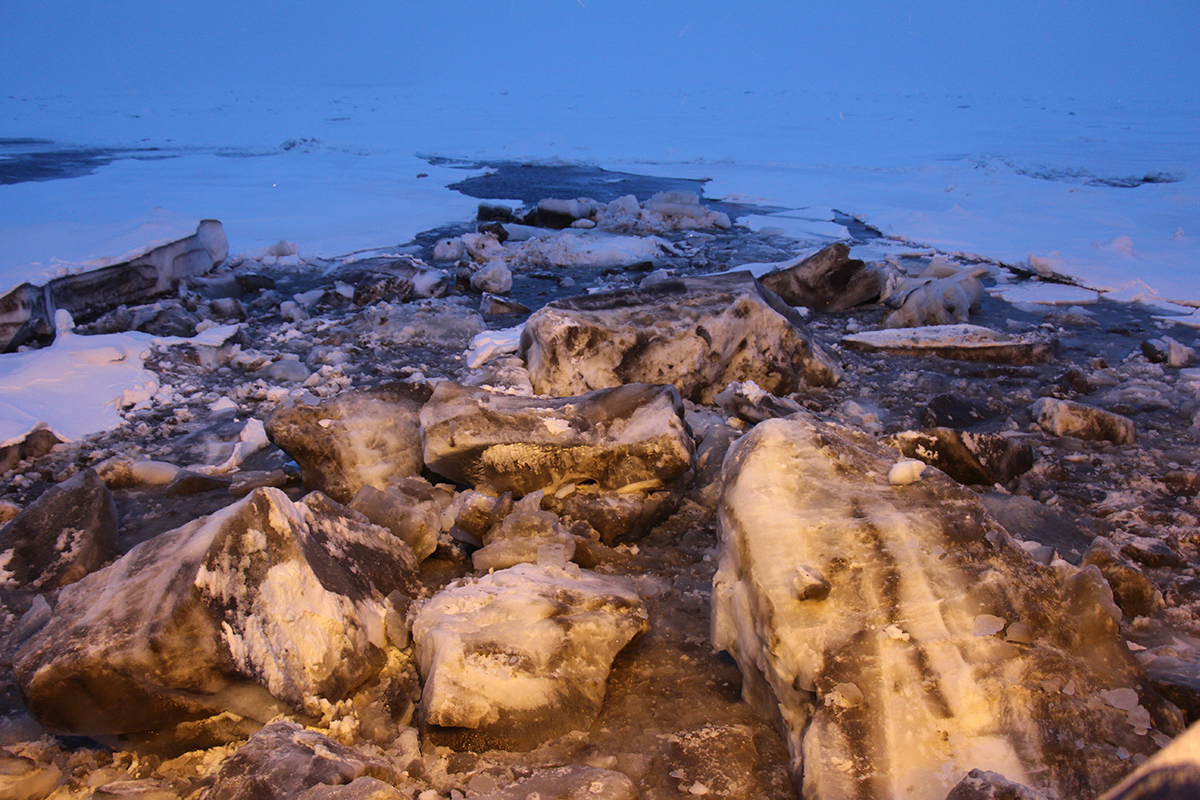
(23, 159)
(529, 183)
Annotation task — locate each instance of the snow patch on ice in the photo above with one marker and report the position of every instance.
(79, 384)
(931, 336)
(489, 345)
(590, 249)
(1039, 292)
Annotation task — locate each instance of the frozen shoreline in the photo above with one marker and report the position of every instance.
(343, 170)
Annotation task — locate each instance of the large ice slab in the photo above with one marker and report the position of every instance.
(263, 606)
(961, 342)
(522, 655)
(629, 437)
(698, 334)
(27, 312)
(903, 639)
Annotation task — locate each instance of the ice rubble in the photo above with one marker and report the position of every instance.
(597, 235)
(589, 249)
(355, 446)
(1172, 772)
(79, 384)
(409, 507)
(284, 759)
(489, 345)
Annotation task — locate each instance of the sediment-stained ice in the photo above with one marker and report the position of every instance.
(940, 646)
(522, 655)
(630, 438)
(264, 606)
(698, 334)
(359, 438)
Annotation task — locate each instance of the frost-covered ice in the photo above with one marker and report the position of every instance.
(931, 336)
(905, 471)
(971, 342)
(588, 249)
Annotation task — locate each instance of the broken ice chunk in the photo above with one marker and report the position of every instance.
(1069, 418)
(522, 655)
(1124, 699)
(1019, 633)
(811, 584)
(492, 344)
(845, 695)
(251, 439)
(552, 555)
(906, 471)
(988, 624)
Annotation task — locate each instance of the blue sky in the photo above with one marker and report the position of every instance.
(1020, 46)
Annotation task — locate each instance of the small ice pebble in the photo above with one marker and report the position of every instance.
(905, 472)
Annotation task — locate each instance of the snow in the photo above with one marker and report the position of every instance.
(993, 179)
(905, 471)
(79, 384)
(251, 439)
(44, 387)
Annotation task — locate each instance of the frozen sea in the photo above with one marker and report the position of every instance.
(1102, 190)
